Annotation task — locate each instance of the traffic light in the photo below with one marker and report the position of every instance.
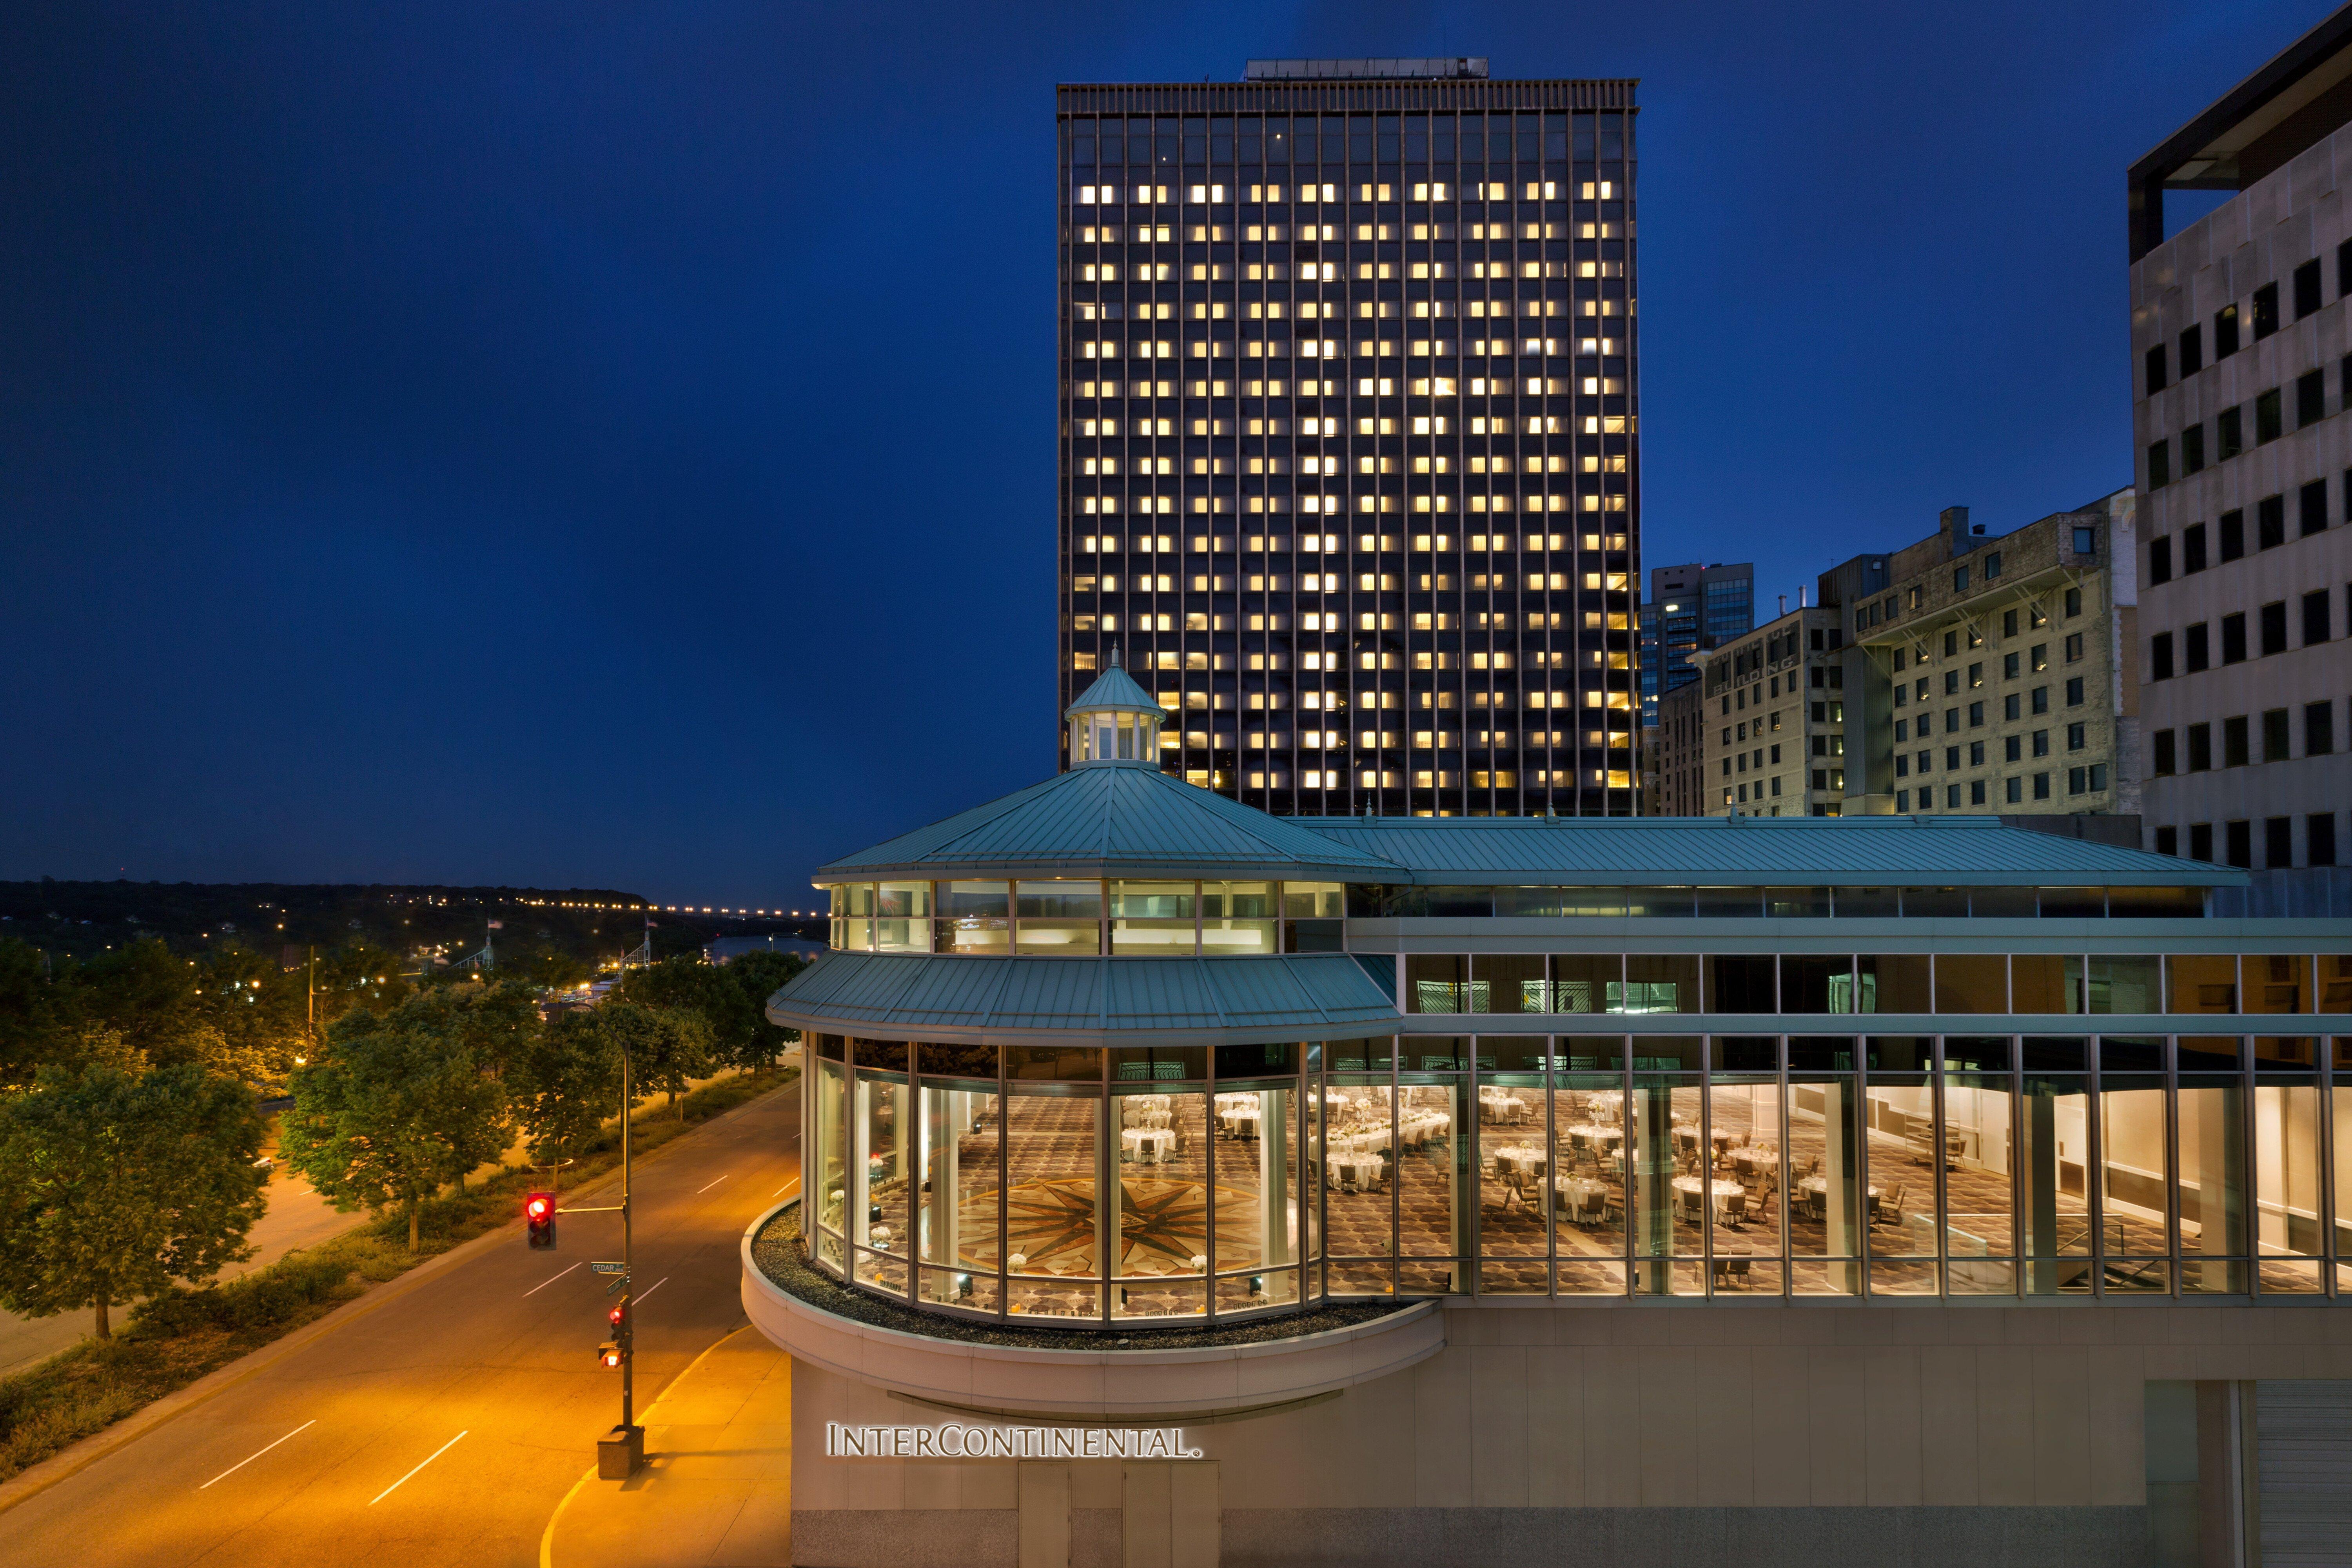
(608, 1354)
(539, 1211)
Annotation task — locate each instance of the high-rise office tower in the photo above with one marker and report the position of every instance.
(1349, 450)
(1690, 608)
(2243, 410)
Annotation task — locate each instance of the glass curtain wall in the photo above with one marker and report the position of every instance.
(1980, 1166)
(1664, 1126)
(2054, 1157)
(2134, 1218)
(1745, 1151)
(2288, 1172)
(830, 1187)
(1515, 1156)
(959, 1214)
(1587, 1168)
(1154, 1184)
(2209, 1158)
(1435, 1134)
(1260, 1232)
(1905, 1152)
(1359, 1185)
(1827, 1216)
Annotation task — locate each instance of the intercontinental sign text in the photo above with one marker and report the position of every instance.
(955, 1442)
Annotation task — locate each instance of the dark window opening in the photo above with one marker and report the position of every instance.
(2266, 311)
(2273, 623)
(2307, 289)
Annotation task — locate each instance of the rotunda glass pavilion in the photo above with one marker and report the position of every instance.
(1091, 1015)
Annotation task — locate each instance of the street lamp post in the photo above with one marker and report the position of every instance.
(621, 1452)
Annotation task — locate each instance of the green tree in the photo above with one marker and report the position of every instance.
(32, 1032)
(760, 975)
(403, 1104)
(546, 969)
(667, 1045)
(564, 1087)
(113, 1183)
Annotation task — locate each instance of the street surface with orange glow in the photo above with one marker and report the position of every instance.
(444, 1426)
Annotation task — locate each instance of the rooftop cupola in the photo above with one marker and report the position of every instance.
(1115, 720)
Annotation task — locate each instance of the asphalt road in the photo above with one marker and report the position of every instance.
(446, 1426)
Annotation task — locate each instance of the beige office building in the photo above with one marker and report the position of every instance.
(1772, 721)
(2240, 336)
(1990, 674)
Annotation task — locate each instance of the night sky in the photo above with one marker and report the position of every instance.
(612, 445)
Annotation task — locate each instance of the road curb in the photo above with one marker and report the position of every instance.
(547, 1538)
(63, 1466)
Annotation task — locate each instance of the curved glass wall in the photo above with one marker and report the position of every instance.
(1152, 1184)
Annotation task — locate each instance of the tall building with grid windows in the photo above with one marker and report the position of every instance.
(2242, 413)
(1690, 608)
(1350, 459)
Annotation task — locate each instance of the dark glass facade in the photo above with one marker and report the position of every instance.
(1690, 609)
(1350, 457)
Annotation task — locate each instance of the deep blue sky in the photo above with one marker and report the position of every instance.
(610, 445)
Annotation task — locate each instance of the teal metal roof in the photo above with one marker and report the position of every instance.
(1115, 691)
(1683, 851)
(1115, 819)
(1172, 1001)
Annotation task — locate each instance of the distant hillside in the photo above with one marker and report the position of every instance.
(589, 923)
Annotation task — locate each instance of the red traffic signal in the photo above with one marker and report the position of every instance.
(617, 1316)
(608, 1355)
(539, 1213)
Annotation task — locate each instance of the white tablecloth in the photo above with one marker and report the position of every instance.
(1587, 1135)
(1239, 1122)
(1353, 1171)
(1722, 1192)
(1421, 1125)
(1579, 1196)
(1519, 1158)
(1153, 1143)
(1138, 1115)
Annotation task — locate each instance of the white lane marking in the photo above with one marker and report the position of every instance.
(403, 1480)
(258, 1452)
(653, 1287)
(699, 1191)
(787, 1187)
(546, 1282)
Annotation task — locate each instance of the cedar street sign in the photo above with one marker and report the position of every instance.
(608, 1267)
(959, 1442)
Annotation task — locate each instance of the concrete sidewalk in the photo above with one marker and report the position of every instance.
(716, 1491)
